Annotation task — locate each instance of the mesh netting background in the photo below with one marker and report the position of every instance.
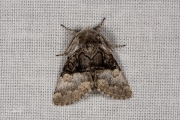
(31, 36)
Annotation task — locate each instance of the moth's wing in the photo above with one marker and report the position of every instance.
(111, 80)
(72, 85)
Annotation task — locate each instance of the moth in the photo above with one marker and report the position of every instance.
(90, 65)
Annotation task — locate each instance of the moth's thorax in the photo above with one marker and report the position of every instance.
(88, 40)
(90, 47)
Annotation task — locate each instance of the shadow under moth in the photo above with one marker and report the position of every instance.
(90, 65)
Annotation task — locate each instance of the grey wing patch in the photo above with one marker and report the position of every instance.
(113, 83)
(71, 87)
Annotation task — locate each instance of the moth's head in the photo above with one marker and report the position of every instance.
(88, 37)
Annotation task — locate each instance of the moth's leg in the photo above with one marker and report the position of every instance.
(70, 31)
(71, 47)
(118, 46)
(61, 54)
(98, 28)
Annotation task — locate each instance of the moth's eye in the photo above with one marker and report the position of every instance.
(70, 65)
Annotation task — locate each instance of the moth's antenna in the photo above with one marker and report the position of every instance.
(70, 31)
(98, 28)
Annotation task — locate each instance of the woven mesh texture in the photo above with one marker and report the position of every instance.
(31, 36)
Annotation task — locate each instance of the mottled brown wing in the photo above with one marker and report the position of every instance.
(111, 80)
(72, 84)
